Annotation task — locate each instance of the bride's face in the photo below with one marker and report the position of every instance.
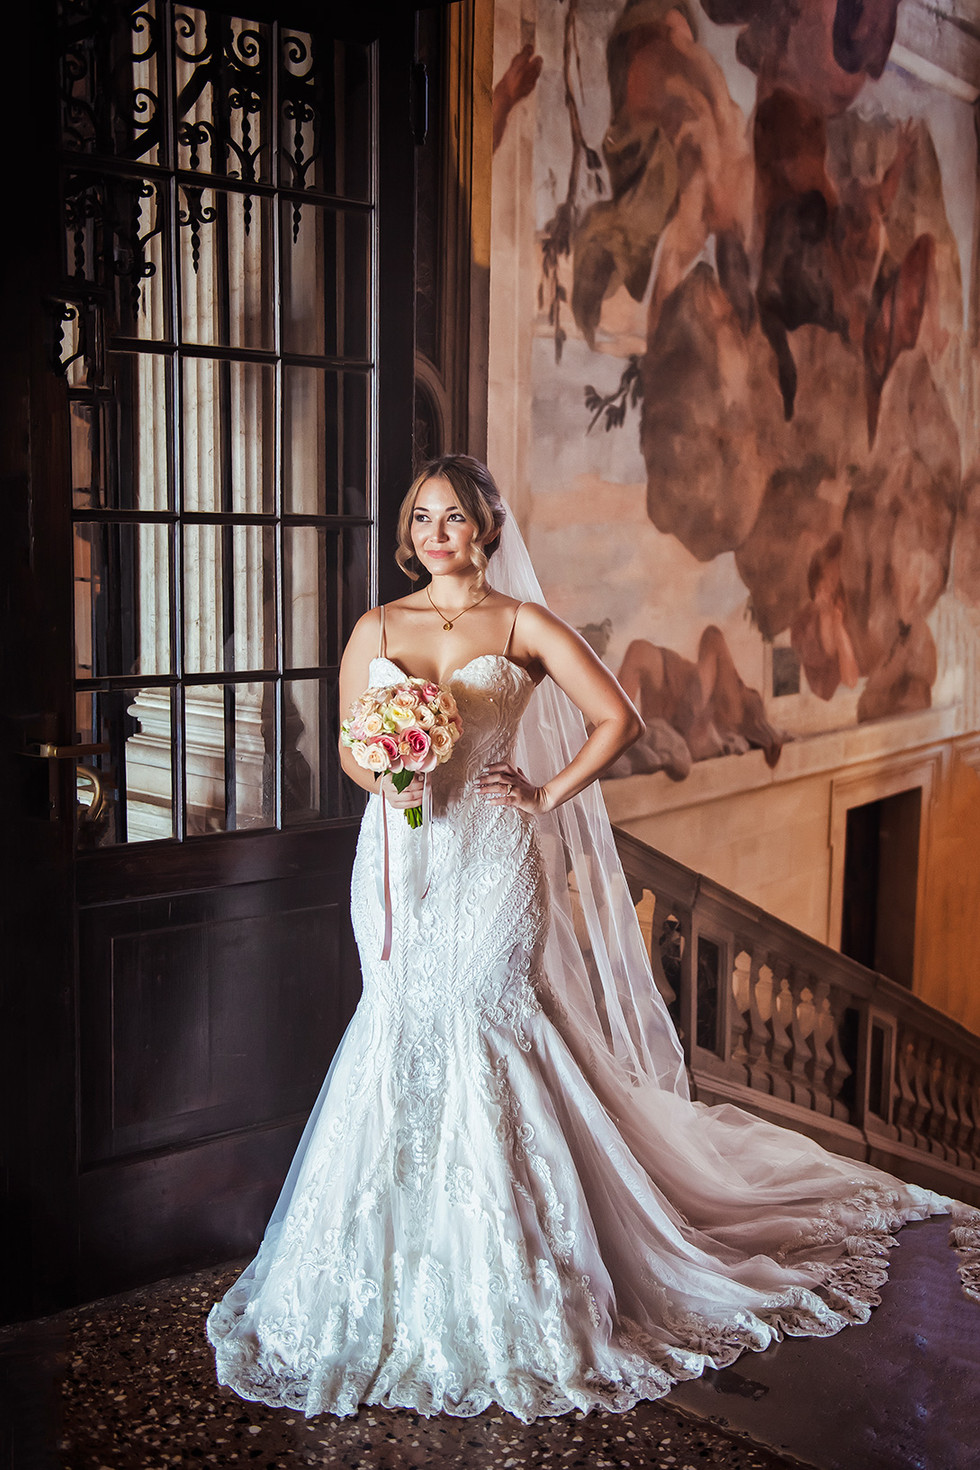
(441, 533)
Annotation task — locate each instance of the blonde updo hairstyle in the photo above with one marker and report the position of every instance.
(477, 497)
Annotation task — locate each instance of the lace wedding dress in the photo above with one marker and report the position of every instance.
(486, 1207)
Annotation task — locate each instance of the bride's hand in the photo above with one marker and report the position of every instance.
(504, 785)
(402, 800)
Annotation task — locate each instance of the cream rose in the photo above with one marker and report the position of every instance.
(375, 758)
(402, 714)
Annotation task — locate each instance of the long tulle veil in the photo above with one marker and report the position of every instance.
(594, 945)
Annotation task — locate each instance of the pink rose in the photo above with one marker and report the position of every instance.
(389, 745)
(417, 741)
(430, 692)
(423, 757)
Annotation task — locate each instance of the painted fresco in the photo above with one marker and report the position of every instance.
(752, 364)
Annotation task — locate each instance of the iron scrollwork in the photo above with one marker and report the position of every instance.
(108, 106)
(108, 232)
(229, 78)
(76, 337)
(301, 140)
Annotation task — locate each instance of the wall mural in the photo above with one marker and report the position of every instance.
(756, 266)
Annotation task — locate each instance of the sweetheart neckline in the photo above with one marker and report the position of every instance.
(384, 659)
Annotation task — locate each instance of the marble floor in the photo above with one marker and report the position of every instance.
(128, 1382)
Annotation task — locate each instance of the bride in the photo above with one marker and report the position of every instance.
(504, 1193)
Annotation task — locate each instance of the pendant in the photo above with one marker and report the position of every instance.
(447, 627)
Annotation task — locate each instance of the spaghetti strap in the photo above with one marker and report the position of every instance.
(510, 635)
(382, 635)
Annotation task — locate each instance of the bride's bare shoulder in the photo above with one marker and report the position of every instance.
(534, 618)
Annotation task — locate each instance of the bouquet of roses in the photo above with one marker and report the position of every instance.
(403, 729)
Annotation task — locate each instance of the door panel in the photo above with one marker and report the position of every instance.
(207, 435)
(201, 1014)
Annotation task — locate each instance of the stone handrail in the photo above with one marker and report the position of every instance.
(798, 1033)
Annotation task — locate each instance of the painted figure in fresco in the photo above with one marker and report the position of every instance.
(517, 82)
(820, 635)
(790, 264)
(679, 164)
(705, 703)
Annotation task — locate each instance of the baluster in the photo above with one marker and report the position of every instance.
(970, 1109)
(741, 987)
(905, 1074)
(757, 1041)
(967, 1138)
(938, 1117)
(823, 1028)
(781, 1021)
(920, 1078)
(951, 1126)
(804, 1016)
(840, 1069)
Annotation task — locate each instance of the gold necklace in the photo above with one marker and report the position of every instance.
(448, 621)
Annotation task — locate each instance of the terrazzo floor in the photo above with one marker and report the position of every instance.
(128, 1384)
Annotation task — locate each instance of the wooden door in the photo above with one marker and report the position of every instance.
(208, 365)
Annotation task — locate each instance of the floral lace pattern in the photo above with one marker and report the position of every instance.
(475, 1216)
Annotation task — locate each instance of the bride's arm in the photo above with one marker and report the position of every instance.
(354, 679)
(544, 640)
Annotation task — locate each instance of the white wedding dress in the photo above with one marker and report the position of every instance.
(485, 1208)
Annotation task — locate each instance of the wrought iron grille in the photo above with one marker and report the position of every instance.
(217, 331)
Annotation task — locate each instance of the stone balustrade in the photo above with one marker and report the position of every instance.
(795, 1032)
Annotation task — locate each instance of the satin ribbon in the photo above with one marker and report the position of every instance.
(422, 867)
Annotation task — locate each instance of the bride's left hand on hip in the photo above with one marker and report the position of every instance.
(506, 786)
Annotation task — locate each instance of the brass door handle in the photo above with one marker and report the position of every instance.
(96, 806)
(45, 751)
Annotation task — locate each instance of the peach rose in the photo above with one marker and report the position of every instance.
(442, 742)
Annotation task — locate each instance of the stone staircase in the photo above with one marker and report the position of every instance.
(800, 1034)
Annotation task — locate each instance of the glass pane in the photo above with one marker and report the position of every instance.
(88, 453)
(114, 239)
(229, 598)
(125, 795)
(314, 786)
(326, 281)
(227, 279)
(84, 222)
(77, 350)
(109, 100)
(310, 568)
(139, 217)
(325, 115)
(326, 449)
(122, 600)
(120, 446)
(354, 586)
(228, 434)
(222, 66)
(230, 754)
